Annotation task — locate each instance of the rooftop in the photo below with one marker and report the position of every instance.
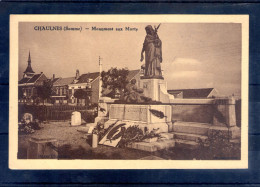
(63, 81)
(193, 93)
(33, 79)
(132, 73)
(84, 78)
(23, 80)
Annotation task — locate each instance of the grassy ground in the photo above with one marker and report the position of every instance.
(74, 145)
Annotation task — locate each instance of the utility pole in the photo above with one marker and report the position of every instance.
(100, 80)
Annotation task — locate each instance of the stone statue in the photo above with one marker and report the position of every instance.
(133, 94)
(152, 47)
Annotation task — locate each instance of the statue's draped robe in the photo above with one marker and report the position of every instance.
(153, 55)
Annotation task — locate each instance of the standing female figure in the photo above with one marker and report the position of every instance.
(152, 47)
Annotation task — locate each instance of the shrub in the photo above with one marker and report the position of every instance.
(28, 128)
(218, 146)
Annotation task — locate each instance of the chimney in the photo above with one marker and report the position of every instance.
(53, 76)
(77, 74)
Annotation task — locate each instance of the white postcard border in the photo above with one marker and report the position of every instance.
(15, 163)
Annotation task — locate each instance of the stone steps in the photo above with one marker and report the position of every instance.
(191, 128)
(164, 142)
(154, 146)
(189, 137)
(189, 134)
(186, 144)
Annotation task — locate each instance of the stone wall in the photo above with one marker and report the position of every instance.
(219, 112)
(193, 113)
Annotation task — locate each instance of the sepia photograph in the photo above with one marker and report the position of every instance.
(128, 91)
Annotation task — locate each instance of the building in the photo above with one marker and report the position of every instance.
(200, 93)
(27, 86)
(61, 90)
(88, 82)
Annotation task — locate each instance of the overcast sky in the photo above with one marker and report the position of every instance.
(195, 55)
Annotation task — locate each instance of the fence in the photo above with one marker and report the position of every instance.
(62, 112)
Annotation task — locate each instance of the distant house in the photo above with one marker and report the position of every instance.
(200, 93)
(27, 86)
(87, 82)
(61, 90)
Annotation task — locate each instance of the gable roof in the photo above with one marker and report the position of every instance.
(31, 80)
(54, 80)
(132, 73)
(193, 93)
(84, 78)
(63, 81)
(23, 80)
(34, 78)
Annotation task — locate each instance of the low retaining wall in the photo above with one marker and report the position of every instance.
(193, 113)
(219, 111)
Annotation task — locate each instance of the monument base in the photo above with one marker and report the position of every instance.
(156, 89)
(147, 117)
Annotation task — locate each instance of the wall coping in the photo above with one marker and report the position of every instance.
(225, 101)
(192, 101)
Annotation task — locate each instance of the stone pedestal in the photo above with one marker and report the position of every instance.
(147, 117)
(103, 109)
(156, 89)
(42, 148)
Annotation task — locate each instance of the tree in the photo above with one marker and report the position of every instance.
(115, 79)
(45, 90)
(83, 94)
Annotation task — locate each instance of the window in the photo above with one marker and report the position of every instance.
(29, 92)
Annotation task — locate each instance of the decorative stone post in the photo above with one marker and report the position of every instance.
(224, 118)
(225, 112)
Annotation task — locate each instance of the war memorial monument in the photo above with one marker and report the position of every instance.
(178, 122)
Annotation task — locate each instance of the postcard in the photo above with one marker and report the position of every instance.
(128, 92)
